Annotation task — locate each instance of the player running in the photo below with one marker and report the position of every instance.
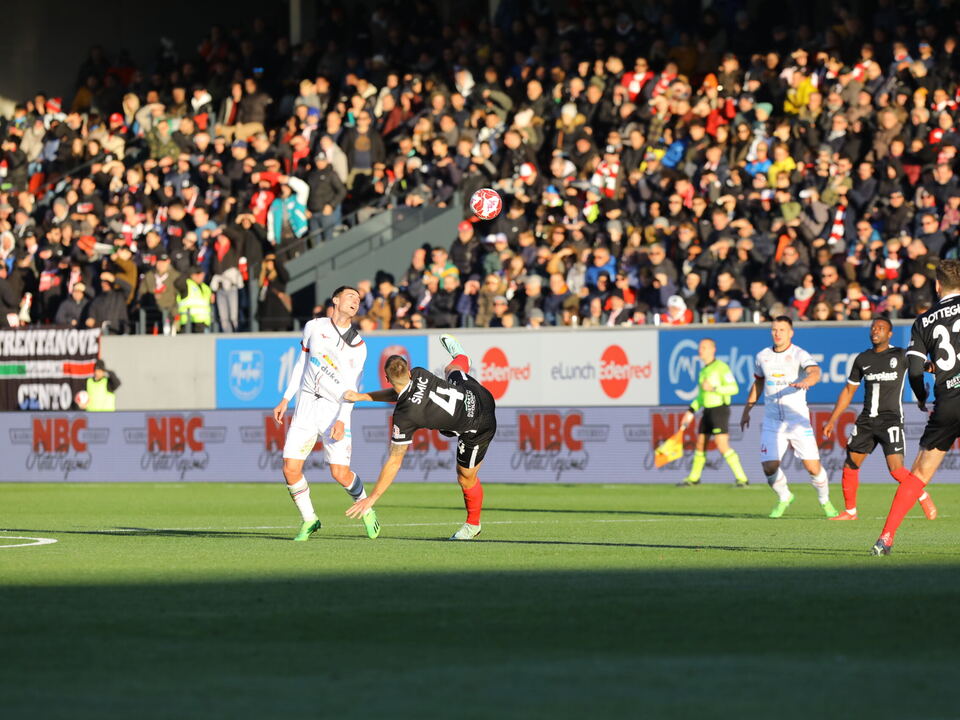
(715, 386)
(784, 373)
(331, 363)
(459, 405)
(935, 334)
(884, 372)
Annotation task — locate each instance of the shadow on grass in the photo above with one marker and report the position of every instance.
(676, 643)
(602, 511)
(154, 532)
(652, 546)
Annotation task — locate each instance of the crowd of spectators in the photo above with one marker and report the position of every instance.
(667, 164)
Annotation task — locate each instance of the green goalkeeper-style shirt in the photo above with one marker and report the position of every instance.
(725, 386)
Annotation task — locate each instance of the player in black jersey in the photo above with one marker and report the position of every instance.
(884, 372)
(458, 406)
(935, 335)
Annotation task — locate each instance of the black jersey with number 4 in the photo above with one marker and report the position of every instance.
(435, 404)
(883, 375)
(936, 334)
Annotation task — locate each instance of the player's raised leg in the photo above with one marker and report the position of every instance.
(460, 362)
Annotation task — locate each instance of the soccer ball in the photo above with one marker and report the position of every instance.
(486, 203)
(81, 398)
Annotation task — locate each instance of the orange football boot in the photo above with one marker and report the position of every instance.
(845, 516)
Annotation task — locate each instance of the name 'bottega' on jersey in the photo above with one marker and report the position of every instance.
(435, 404)
(936, 334)
(783, 403)
(883, 374)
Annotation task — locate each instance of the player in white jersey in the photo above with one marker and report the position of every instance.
(331, 362)
(783, 374)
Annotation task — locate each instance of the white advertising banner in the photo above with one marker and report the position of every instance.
(533, 445)
(543, 368)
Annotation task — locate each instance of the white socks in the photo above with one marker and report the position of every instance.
(778, 483)
(300, 492)
(355, 489)
(820, 484)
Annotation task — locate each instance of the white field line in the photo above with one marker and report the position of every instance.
(36, 541)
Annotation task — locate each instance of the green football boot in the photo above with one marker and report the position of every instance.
(308, 528)
(371, 523)
(781, 507)
(829, 510)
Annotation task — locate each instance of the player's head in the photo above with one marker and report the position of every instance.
(782, 332)
(948, 277)
(707, 351)
(880, 331)
(346, 300)
(397, 370)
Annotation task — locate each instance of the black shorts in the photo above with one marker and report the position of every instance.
(715, 420)
(472, 445)
(887, 432)
(943, 427)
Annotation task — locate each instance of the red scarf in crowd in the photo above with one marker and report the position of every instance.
(635, 82)
(837, 229)
(662, 84)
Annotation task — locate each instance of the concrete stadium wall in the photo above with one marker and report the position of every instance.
(162, 373)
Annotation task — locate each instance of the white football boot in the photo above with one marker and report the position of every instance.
(467, 532)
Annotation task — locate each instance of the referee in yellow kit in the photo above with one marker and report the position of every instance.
(715, 386)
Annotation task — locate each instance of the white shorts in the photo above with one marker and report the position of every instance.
(313, 419)
(775, 439)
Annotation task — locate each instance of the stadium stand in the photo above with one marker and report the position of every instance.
(660, 167)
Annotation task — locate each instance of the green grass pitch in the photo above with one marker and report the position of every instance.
(181, 600)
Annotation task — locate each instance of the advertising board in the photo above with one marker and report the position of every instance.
(543, 368)
(834, 349)
(533, 445)
(253, 371)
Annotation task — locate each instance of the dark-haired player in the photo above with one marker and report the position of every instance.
(459, 406)
(784, 373)
(935, 335)
(330, 363)
(883, 370)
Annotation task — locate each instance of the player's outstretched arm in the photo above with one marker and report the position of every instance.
(752, 398)
(387, 475)
(387, 395)
(843, 402)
